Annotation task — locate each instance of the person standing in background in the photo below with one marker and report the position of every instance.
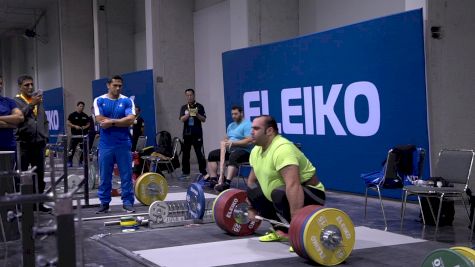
(78, 121)
(10, 117)
(32, 133)
(115, 114)
(192, 114)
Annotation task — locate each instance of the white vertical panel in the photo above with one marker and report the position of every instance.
(212, 38)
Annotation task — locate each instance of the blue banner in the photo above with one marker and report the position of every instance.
(348, 94)
(139, 87)
(53, 102)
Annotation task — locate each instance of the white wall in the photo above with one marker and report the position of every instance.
(117, 37)
(320, 15)
(139, 36)
(14, 58)
(451, 75)
(173, 60)
(49, 66)
(212, 37)
(77, 52)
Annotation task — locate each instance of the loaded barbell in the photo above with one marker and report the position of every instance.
(324, 235)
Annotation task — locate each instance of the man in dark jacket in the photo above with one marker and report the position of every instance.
(32, 133)
(192, 114)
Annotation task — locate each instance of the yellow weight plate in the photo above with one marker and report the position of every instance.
(328, 236)
(151, 187)
(466, 252)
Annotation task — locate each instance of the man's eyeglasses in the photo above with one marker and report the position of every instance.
(28, 84)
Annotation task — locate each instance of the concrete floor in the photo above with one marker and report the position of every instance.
(98, 245)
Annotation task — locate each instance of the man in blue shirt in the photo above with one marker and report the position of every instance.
(236, 146)
(115, 113)
(10, 117)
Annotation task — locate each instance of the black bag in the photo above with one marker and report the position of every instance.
(472, 205)
(448, 206)
(164, 143)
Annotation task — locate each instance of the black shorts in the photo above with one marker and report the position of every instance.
(278, 209)
(234, 158)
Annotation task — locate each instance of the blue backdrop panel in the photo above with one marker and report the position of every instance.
(53, 102)
(138, 86)
(348, 94)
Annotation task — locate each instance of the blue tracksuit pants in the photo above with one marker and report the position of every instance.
(123, 158)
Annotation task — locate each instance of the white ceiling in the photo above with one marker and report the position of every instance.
(18, 15)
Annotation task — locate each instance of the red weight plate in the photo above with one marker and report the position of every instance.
(296, 226)
(218, 203)
(225, 211)
(311, 211)
(217, 211)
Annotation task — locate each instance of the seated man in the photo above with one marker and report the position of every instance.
(282, 179)
(235, 148)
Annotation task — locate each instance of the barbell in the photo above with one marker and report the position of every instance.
(324, 235)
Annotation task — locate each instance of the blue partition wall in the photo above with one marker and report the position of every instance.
(53, 102)
(348, 94)
(138, 86)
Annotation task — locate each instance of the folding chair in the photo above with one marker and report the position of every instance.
(398, 168)
(167, 161)
(453, 165)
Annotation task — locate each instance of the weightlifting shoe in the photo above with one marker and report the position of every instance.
(224, 186)
(273, 236)
(128, 208)
(212, 182)
(104, 208)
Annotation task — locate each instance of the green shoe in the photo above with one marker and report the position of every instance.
(273, 237)
(291, 250)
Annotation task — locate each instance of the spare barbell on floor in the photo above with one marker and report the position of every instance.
(324, 235)
(150, 187)
(456, 256)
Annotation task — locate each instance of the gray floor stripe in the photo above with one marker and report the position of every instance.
(251, 250)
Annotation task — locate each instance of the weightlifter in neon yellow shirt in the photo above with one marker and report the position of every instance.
(282, 179)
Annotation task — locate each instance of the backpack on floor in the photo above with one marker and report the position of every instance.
(448, 207)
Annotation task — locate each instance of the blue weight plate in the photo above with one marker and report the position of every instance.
(195, 199)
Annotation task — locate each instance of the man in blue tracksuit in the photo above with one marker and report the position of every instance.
(115, 113)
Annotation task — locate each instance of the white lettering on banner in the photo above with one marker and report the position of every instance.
(308, 106)
(327, 109)
(256, 96)
(318, 108)
(371, 126)
(288, 110)
(53, 119)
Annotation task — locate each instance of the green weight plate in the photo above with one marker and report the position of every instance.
(445, 258)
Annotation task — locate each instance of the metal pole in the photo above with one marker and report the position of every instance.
(65, 237)
(85, 144)
(28, 243)
(112, 216)
(64, 142)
